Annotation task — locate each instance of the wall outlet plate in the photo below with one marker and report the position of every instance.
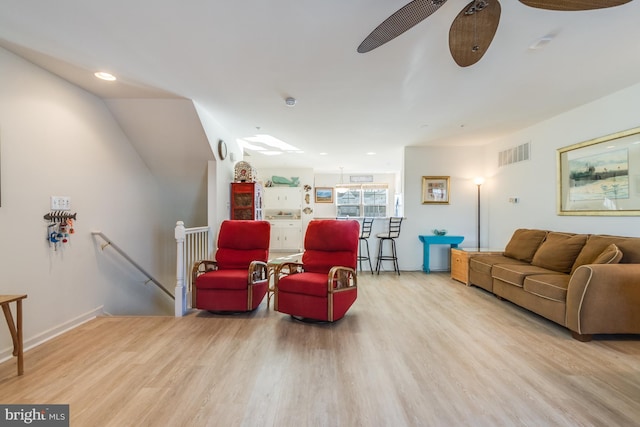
(60, 203)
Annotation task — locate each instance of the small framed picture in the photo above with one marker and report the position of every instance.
(324, 194)
(435, 189)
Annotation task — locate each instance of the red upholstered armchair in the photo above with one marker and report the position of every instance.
(237, 279)
(324, 285)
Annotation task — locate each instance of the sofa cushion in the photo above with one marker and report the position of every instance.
(629, 246)
(549, 286)
(524, 243)
(483, 263)
(610, 255)
(515, 274)
(559, 251)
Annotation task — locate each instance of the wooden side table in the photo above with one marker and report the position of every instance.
(14, 328)
(460, 262)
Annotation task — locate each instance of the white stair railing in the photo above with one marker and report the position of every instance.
(193, 244)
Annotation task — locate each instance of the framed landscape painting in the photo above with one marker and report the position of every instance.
(324, 195)
(600, 176)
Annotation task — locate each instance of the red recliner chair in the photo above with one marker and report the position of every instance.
(324, 285)
(237, 280)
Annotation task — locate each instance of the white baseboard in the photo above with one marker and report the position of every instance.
(45, 336)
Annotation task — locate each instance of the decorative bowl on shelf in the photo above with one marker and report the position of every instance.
(439, 232)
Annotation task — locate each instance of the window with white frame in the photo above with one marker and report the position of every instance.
(348, 201)
(362, 200)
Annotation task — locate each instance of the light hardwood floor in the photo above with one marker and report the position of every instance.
(414, 350)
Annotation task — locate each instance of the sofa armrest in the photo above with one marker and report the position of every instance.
(604, 299)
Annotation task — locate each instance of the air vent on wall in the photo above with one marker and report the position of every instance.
(514, 154)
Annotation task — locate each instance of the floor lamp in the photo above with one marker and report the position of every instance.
(479, 181)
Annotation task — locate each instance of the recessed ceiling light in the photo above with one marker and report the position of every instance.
(371, 153)
(323, 154)
(541, 42)
(105, 76)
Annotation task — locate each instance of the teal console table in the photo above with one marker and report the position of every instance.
(454, 241)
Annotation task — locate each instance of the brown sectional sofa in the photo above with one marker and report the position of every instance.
(587, 283)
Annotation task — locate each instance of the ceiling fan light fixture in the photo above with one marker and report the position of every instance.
(477, 6)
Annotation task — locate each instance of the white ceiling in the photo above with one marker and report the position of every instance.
(240, 60)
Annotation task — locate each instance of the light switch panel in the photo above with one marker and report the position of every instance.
(60, 203)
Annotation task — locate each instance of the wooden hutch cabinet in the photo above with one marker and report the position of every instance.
(246, 200)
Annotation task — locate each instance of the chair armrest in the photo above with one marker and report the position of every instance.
(201, 267)
(604, 299)
(287, 268)
(257, 272)
(342, 279)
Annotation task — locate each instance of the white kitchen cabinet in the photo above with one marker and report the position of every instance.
(286, 236)
(283, 198)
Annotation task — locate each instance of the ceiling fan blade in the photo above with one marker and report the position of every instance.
(403, 19)
(472, 31)
(569, 5)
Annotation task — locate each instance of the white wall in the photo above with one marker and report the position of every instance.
(459, 217)
(535, 181)
(220, 172)
(57, 139)
(167, 134)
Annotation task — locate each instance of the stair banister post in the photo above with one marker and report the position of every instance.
(180, 292)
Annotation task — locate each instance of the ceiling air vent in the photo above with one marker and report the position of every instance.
(514, 154)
